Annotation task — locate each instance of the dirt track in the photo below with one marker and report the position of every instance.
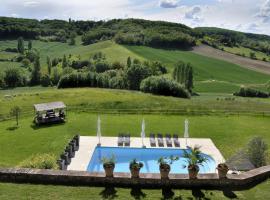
(256, 65)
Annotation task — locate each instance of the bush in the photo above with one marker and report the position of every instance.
(13, 50)
(163, 86)
(14, 77)
(80, 64)
(77, 79)
(45, 80)
(248, 92)
(2, 81)
(40, 161)
(101, 66)
(257, 151)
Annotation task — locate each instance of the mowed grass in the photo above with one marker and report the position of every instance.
(113, 51)
(205, 69)
(96, 99)
(228, 133)
(39, 192)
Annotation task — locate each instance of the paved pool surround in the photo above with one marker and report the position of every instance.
(88, 144)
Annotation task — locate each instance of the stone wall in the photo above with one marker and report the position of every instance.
(81, 178)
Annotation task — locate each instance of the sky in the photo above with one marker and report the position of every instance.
(241, 15)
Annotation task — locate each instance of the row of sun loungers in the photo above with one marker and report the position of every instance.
(160, 140)
(123, 139)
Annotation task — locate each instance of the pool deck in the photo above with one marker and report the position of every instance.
(89, 143)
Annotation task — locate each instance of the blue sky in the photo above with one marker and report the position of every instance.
(242, 15)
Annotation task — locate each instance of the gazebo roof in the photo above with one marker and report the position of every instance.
(49, 106)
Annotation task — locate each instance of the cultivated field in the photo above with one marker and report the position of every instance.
(248, 63)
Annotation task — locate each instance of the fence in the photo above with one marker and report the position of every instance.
(187, 111)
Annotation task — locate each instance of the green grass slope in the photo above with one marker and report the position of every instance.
(221, 76)
(211, 75)
(87, 99)
(113, 51)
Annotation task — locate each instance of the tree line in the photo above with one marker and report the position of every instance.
(72, 71)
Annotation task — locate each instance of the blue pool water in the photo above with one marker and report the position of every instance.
(148, 156)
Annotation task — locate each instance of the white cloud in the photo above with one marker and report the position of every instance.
(168, 3)
(30, 3)
(193, 13)
(264, 12)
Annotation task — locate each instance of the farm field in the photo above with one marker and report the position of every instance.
(210, 75)
(246, 51)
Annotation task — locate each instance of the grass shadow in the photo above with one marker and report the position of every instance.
(137, 193)
(12, 128)
(108, 193)
(167, 194)
(37, 127)
(229, 194)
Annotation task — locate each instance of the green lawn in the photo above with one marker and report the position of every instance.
(228, 133)
(41, 192)
(121, 100)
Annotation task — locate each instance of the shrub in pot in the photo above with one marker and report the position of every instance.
(222, 170)
(108, 165)
(135, 168)
(165, 165)
(194, 159)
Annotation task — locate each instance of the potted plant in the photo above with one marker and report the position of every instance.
(134, 168)
(165, 165)
(108, 165)
(194, 158)
(222, 170)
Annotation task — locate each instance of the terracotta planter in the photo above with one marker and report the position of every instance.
(222, 170)
(164, 171)
(193, 171)
(109, 169)
(135, 172)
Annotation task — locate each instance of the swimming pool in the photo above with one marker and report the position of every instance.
(148, 156)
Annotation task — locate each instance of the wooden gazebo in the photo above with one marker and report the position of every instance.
(53, 112)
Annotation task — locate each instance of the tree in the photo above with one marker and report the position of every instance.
(189, 81)
(72, 40)
(49, 65)
(55, 76)
(35, 76)
(20, 45)
(135, 74)
(64, 62)
(183, 74)
(15, 112)
(29, 45)
(129, 62)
